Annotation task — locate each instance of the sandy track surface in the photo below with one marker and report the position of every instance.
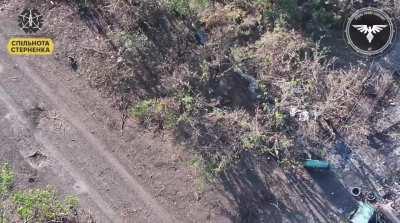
(46, 113)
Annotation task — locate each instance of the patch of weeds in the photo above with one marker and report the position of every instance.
(219, 164)
(228, 15)
(162, 112)
(288, 163)
(235, 15)
(6, 180)
(188, 102)
(42, 205)
(72, 202)
(136, 45)
(280, 13)
(183, 8)
(265, 4)
(141, 47)
(253, 142)
(142, 110)
(167, 115)
(239, 54)
(205, 72)
(197, 164)
(285, 13)
(180, 8)
(268, 145)
(288, 7)
(258, 143)
(217, 112)
(198, 5)
(211, 168)
(323, 15)
(39, 205)
(279, 120)
(133, 40)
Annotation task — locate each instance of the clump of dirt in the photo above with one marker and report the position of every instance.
(37, 159)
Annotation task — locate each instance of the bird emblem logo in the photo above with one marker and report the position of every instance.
(370, 30)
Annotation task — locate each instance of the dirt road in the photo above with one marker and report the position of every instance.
(41, 115)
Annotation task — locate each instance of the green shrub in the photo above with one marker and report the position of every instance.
(42, 205)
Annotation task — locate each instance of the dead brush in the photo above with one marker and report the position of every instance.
(281, 54)
(374, 86)
(221, 16)
(295, 73)
(343, 89)
(298, 74)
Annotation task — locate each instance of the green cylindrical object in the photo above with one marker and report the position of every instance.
(316, 164)
(363, 214)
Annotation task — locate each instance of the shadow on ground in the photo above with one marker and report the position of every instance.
(261, 194)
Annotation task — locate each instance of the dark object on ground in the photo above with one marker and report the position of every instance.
(344, 151)
(356, 192)
(396, 76)
(35, 114)
(316, 164)
(336, 193)
(91, 17)
(371, 197)
(73, 63)
(238, 89)
(201, 37)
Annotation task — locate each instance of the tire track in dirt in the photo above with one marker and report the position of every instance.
(46, 145)
(8, 101)
(60, 103)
